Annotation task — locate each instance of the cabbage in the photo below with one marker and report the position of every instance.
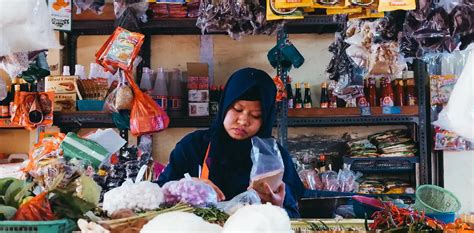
(259, 219)
(179, 222)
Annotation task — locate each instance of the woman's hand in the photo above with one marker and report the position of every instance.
(220, 194)
(267, 194)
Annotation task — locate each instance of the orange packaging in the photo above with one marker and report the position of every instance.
(281, 91)
(34, 109)
(120, 50)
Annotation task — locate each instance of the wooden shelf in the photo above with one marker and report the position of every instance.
(348, 112)
(6, 123)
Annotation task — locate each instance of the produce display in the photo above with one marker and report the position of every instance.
(190, 191)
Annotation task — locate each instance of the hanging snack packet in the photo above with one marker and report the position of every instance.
(120, 50)
(274, 13)
(292, 3)
(364, 3)
(393, 5)
(329, 4)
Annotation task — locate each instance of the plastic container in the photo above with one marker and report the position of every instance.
(434, 199)
(320, 207)
(90, 105)
(443, 217)
(56, 226)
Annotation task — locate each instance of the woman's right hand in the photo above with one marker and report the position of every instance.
(220, 194)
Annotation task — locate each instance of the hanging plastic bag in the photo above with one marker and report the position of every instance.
(330, 181)
(458, 115)
(249, 197)
(189, 190)
(138, 7)
(26, 26)
(146, 116)
(96, 6)
(14, 64)
(267, 166)
(347, 179)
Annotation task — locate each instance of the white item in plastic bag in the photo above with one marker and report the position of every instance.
(259, 219)
(140, 196)
(179, 222)
(25, 26)
(249, 197)
(458, 115)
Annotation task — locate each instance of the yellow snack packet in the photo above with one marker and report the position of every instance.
(367, 14)
(392, 5)
(328, 4)
(280, 4)
(341, 11)
(308, 9)
(273, 13)
(364, 3)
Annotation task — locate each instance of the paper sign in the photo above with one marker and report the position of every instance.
(61, 17)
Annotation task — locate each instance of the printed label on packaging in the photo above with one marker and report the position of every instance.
(198, 95)
(61, 16)
(61, 84)
(162, 101)
(198, 109)
(65, 102)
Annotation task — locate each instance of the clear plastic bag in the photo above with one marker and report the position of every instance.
(138, 7)
(3, 89)
(311, 180)
(189, 190)
(26, 26)
(330, 181)
(347, 179)
(14, 64)
(458, 115)
(96, 6)
(267, 166)
(249, 197)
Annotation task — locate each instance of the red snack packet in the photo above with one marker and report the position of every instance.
(120, 50)
(281, 91)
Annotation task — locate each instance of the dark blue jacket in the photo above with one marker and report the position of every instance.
(229, 160)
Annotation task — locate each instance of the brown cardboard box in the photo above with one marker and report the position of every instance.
(65, 102)
(61, 84)
(193, 82)
(195, 72)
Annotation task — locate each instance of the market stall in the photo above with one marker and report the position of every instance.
(393, 96)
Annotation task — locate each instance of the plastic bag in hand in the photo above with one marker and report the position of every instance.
(268, 165)
(330, 182)
(190, 191)
(458, 115)
(249, 197)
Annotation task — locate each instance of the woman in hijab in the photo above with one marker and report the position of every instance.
(246, 109)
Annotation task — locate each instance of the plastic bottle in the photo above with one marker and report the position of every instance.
(66, 71)
(145, 81)
(175, 92)
(80, 71)
(160, 92)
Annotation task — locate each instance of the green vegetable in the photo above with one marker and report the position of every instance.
(87, 189)
(4, 184)
(13, 189)
(212, 215)
(6, 212)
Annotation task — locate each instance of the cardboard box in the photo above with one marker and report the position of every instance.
(203, 83)
(198, 95)
(61, 84)
(193, 82)
(195, 72)
(65, 102)
(198, 109)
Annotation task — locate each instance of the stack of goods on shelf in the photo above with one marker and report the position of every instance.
(173, 9)
(392, 143)
(375, 186)
(198, 89)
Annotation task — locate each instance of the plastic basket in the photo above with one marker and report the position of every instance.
(434, 199)
(56, 226)
(443, 217)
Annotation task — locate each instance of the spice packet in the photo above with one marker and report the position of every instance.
(292, 3)
(392, 5)
(120, 50)
(329, 4)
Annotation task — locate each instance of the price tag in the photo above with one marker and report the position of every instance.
(365, 111)
(391, 110)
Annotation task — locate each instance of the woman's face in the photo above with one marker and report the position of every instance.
(243, 119)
